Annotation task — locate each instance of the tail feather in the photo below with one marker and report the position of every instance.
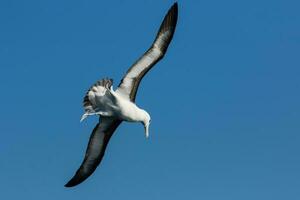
(88, 103)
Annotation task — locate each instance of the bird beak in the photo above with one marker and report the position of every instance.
(146, 130)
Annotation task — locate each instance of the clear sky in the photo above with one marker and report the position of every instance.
(224, 102)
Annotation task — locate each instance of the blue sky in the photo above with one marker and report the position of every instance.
(224, 101)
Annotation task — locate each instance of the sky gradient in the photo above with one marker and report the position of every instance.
(224, 101)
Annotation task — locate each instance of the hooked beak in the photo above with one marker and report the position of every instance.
(146, 130)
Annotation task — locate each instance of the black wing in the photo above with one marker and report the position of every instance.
(95, 150)
(130, 83)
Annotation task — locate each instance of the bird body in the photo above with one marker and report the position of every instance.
(113, 107)
(109, 103)
(128, 111)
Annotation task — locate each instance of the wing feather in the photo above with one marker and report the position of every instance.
(130, 83)
(95, 150)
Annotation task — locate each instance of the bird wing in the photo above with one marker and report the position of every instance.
(130, 82)
(95, 150)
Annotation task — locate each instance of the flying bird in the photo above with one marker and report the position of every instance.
(113, 107)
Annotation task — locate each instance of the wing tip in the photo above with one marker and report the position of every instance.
(167, 29)
(174, 9)
(77, 178)
(170, 19)
(175, 6)
(73, 182)
(69, 184)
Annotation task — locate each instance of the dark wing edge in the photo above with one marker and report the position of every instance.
(167, 29)
(130, 83)
(95, 150)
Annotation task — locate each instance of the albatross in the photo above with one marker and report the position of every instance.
(116, 106)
